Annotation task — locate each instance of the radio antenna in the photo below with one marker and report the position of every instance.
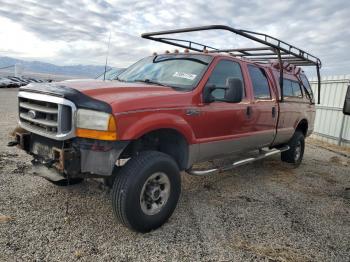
(109, 42)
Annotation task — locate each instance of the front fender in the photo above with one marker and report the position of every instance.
(132, 126)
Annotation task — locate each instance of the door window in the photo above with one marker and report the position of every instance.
(223, 70)
(296, 89)
(260, 83)
(306, 84)
(287, 88)
(291, 88)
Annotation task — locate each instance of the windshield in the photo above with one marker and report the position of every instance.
(178, 71)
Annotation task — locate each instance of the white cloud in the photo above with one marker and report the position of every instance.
(17, 41)
(69, 32)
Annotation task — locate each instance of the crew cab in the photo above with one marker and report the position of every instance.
(166, 113)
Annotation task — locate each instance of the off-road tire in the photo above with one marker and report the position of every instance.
(130, 182)
(296, 151)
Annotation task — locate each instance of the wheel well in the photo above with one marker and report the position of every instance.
(168, 141)
(302, 126)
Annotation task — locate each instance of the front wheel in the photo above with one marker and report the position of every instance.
(146, 191)
(296, 149)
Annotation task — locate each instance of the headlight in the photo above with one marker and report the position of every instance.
(97, 125)
(94, 120)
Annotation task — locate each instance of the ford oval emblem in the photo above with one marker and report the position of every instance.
(32, 114)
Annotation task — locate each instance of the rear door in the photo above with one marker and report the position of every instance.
(295, 106)
(263, 110)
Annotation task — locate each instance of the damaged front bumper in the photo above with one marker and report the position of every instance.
(74, 158)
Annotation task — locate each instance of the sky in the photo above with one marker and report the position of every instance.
(67, 32)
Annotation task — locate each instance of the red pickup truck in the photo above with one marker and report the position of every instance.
(166, 113)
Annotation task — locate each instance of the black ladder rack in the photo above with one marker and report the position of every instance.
(273, 48)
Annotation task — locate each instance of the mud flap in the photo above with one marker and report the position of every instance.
(99, 157)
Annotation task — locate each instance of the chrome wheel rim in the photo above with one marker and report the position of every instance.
(155, 193)
(297, 151)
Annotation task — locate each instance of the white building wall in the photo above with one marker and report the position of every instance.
(331, 125)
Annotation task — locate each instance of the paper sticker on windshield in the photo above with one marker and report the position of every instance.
(184, 75)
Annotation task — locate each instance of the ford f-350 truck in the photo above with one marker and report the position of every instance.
(166, 113)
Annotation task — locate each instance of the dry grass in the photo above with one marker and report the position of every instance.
(337, 160)
(78, 254)
(341, 149)
(5, 219)
(281, 254)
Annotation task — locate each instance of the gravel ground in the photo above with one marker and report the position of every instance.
(265, 211)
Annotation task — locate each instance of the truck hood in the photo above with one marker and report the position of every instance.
(121, 96)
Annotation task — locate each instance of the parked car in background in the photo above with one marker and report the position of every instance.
(13, 81)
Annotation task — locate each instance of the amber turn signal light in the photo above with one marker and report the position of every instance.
(110, 134)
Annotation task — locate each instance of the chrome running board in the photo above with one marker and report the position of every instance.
(262, 154)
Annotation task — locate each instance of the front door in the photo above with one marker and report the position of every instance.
(224, 126)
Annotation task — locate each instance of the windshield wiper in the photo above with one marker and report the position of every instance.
(120, 80)
(149, 81)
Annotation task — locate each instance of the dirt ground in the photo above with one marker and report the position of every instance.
(264, 211)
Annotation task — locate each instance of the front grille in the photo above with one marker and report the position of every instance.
(46, 115)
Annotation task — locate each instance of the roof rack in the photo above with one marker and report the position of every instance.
(272, 48)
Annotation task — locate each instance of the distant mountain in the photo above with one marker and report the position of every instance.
(89, 71)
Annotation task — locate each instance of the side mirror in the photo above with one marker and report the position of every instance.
(346, 108)
(234, 91)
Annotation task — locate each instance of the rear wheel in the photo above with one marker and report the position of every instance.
(296, 151)
(146, 191)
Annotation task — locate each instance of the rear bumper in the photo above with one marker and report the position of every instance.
(77, 157)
